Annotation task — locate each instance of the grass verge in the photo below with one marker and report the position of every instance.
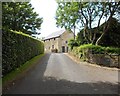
(17, 73)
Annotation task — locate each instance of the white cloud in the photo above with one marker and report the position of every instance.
(47, 10)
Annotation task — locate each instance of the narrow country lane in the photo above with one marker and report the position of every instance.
(56, 73)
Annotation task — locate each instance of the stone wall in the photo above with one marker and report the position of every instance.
(65, 37)
(105, 60)
(109, 60)
(48, 44)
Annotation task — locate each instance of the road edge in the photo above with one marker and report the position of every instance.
(89, 64)
(23, 73)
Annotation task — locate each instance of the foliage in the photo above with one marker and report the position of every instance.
(95, 49)
(83, 50)
(85, 14)
(66, 15)
(72, 43)
(111, 37)
(80, 39)
(21, 70)
(17, 49)
(20, 16)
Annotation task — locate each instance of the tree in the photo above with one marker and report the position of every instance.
(112, 9)
(72, 43)
(20, 16)
(71, 14)
(66, 16)
(111, 37)
(88, 13)
(96, 11)
(80, 39)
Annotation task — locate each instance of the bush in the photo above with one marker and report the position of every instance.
(92, 48)
(96, 49)
(83, 50)
(112, 50)
(72, 43)
(17, 48)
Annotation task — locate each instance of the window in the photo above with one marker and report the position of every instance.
(66, 42)
(52, 46)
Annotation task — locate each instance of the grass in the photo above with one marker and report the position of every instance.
(21, 70)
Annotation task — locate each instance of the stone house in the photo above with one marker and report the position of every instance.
(58, 41)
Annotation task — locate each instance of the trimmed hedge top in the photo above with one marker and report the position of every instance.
(21, 33)
(96, 49)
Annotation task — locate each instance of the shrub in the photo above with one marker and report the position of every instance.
(72, 43)
(83, 50)
(17, 48)
(93, 48)
(96, 49)
(112, 50)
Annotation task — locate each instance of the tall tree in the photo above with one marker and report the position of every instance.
(66, 16)
(111, 37)
(87, 14)
(20, 16)
(112, 9)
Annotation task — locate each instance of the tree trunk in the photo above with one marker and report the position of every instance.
(85, 35)
(100, 38)
(74, 32)
(105, 30)
(94, 37)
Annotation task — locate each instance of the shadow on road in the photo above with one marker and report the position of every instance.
(53, 86)
(39, 69)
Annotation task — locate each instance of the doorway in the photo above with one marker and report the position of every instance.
(63, 48)
(67, 49)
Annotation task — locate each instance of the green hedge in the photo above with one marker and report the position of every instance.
(17, 48)
(83, 50)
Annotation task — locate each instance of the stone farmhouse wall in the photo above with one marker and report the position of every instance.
(58, 42)
(48, 44)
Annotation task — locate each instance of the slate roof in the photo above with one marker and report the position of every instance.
(54, 34)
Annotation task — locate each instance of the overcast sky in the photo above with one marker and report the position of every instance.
(46, 9)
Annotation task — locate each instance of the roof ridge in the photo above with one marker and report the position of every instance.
(54, 34)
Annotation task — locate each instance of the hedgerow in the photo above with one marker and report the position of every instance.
(17, 48)
(83, 50)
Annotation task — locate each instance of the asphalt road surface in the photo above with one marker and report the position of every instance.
(56, 73)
